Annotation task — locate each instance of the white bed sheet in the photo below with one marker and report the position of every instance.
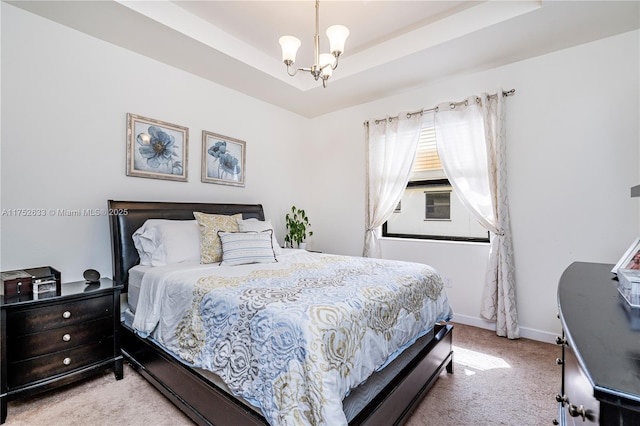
(135, 281)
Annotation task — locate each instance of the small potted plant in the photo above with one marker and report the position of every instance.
(297, 228)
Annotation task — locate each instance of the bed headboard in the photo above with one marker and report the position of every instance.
(127, 216)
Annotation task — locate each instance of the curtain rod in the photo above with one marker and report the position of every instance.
(452, 104)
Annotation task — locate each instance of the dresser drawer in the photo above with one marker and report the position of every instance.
(581, 406)
(27, 321)
(48, 366)
(30, 345)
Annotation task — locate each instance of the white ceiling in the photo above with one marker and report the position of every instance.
(394, 46)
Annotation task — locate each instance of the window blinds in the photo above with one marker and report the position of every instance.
(427, 155)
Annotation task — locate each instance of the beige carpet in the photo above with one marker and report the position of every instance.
(495, 382)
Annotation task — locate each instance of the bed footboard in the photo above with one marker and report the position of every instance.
(402, 396)
(207, 404)
(200, 399)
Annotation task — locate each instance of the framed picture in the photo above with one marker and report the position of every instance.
(630, 259)
(156, 149)
(223, 159)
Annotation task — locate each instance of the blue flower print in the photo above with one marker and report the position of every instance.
(219, 148)
(229, 164)
(157, 147)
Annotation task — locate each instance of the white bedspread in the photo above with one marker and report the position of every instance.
(291, 337)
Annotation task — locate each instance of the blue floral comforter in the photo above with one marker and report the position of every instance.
(295, 336)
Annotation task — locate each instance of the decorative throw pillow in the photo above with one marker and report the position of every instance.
(210, 224)
(255, 225)
(240, 248)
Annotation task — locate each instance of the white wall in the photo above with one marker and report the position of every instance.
(572, 151)
(65, 97)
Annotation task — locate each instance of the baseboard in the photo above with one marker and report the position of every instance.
(527, 333)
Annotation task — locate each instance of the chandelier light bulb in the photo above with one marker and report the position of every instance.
(337, 36)
(290, 47)
(327, 62)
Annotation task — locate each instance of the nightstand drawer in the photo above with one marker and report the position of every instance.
(29, 321)
(48, 366)
(59, 339)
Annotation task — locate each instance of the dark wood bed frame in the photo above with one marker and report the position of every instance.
(203, 401)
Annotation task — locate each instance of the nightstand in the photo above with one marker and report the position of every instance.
(57, 339)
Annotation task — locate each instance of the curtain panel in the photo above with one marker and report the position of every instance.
(391, 150)
(470, 139)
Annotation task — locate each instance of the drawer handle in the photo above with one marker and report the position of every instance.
(66, 361)
(66, 337)
(561, 341)
(575, 411)
(559, 361)
(66, 314)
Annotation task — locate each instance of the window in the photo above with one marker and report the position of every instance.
(430, 207)
(437, 205)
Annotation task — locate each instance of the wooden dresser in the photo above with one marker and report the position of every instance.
(58, 339)
(600, 350)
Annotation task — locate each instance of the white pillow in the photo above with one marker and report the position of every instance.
(164, 242)
(255, 225)
(240, 248)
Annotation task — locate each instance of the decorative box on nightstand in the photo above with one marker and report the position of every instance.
(39, 281)
(50, 342)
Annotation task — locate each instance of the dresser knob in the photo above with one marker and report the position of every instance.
(66, 314)
(66, 337)
(559, 361)
(575, 411)
(66, 361)
(561, 398)
(556, 422)
(560, 341)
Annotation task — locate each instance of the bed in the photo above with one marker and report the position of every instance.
(386, 395)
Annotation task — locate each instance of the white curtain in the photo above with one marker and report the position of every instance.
(391, 149)
(470, 139)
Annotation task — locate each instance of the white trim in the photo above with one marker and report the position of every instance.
(527, 333)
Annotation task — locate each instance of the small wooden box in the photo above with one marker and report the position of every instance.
(15, 282)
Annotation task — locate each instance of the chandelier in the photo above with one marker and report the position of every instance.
(324, 63)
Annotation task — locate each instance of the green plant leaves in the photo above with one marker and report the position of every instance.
(297, 226)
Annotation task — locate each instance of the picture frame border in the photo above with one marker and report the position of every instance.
(628, 255)
(132, 119)
(243, 146)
